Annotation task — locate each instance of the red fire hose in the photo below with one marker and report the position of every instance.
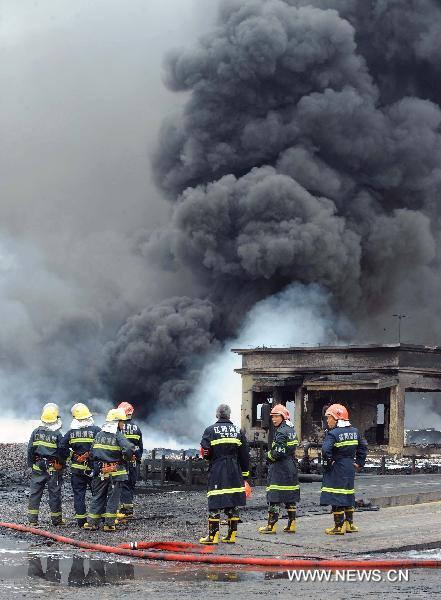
(361, 565)
(170, 546)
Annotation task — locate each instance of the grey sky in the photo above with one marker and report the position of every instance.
(81, 101)
(80, 105)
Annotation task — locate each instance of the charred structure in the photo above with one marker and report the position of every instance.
(371, 380)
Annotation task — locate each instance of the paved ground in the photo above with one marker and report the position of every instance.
(396, 490)
(30, 567)
(388, 530)
(38, 570)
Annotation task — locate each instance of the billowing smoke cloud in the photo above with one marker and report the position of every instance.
(297, 315)
(263, 226)
(157, 353)
(308, 151)
(305, 151)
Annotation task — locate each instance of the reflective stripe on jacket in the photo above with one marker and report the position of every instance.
(341, 448)
(283, 481)
(77, 442)
(133, 433)
(112, 448)
(45, 443)
(229, 464)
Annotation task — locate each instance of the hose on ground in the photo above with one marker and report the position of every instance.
(169, 546)
(360, 565)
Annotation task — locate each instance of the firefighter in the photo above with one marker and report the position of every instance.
(46, 460)
(133, 433)
(226, 447)
(110, 451)
(343, 451)
(283, 482)
(77, 443)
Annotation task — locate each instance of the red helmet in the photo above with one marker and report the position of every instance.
(127, 408)
(281, 410)
(338, 411)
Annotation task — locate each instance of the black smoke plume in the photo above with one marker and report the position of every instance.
(308, 151)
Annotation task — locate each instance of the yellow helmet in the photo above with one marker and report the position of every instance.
(49, 414)
(80, 411)
(116, 414)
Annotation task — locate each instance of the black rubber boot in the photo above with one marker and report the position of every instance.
(230, 538)
(33, 516)
(349, 520)
(270, 527)
(339, 523)
(127, 510)
(213, 531)
(291, 527)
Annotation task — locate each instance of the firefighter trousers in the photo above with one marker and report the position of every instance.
(106, 494)
(80, 483)
(128, 488)
(54, 481)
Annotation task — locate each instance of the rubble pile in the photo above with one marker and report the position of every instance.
(172, 454)
(13, 464)
(422, 437)
(403, 465)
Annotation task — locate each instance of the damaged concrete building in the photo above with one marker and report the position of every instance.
(371, 380)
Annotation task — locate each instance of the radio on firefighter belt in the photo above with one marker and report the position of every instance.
(101, 469)
(81, 458)
(45, 463)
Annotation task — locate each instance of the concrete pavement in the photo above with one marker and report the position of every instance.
(387, 530)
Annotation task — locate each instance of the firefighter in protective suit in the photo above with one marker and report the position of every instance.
(46, 460)
(343, 451)
(283, 482)
(226, 447)
(77, 444)
(132, 432)
(110, 451)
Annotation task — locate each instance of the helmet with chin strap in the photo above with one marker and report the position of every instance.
(127, 408)
(338, 411)
(80, 411)
(281, 410)
(116, 414)
(49, 414)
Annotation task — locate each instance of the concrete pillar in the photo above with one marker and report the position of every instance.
(298, 411)
(308, 398)
(386, 421)
(396, 420)
(247, 405)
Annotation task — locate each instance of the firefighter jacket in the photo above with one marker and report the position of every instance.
(341, 448)
(228, 453)
(44, 448)
(76, 444)
(283, 481)
(133, 433)
(111, 448)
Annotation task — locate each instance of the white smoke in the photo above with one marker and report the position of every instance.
(299, 315)
(422, 410)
